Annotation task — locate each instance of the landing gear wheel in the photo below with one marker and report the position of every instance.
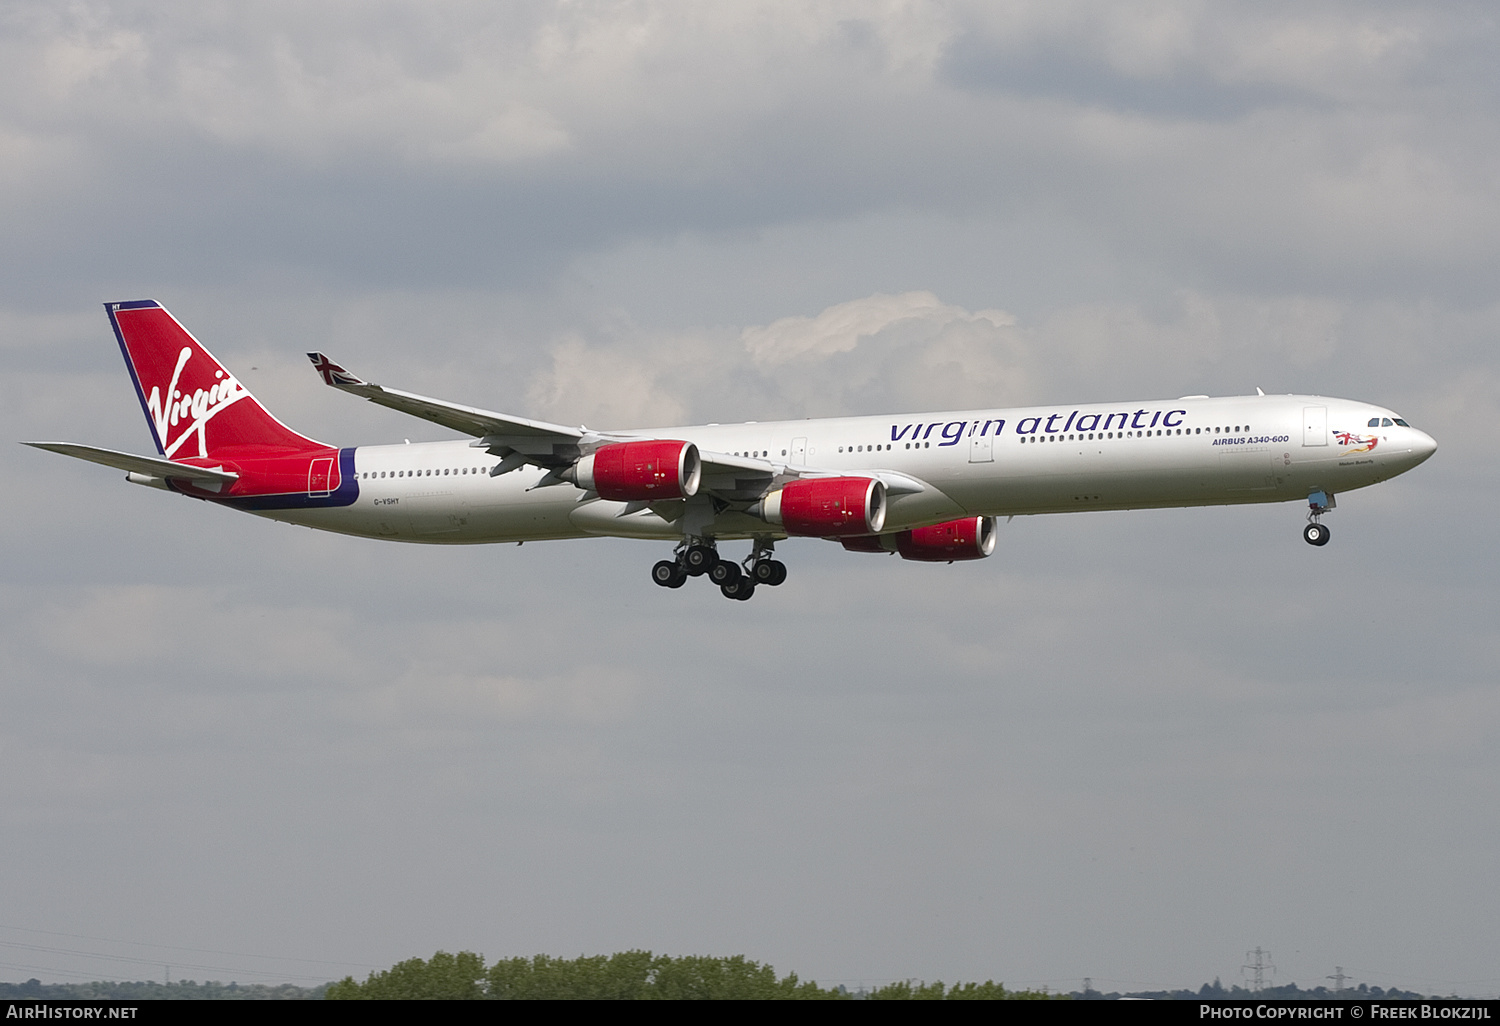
(723, 572)
(740, 588)
(769, 572)
(1316, 534)
(699, 560)
(668, 574)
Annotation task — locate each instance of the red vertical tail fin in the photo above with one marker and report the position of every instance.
(195, 406)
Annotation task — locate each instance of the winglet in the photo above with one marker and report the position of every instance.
(332, 373)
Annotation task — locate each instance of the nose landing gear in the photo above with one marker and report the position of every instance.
(1317, 533)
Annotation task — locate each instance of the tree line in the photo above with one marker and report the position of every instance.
(629, 976)
(151, 990)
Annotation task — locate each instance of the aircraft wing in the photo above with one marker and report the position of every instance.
(151, 466)
(746, 479)
(519, 441)
(737, 478)
(465, 419)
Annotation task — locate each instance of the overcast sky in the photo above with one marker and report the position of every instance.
(1130, 746)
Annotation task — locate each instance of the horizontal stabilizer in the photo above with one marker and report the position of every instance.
(151, 466)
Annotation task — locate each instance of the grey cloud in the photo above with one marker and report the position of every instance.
(183, 179)
(1070, 78)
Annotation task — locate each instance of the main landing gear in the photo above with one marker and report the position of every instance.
(735, 580)
(1317, 533)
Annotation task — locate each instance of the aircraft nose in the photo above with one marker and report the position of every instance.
(1423, 445)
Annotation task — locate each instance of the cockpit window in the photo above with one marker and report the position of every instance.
(1401, 423)
(1374, 422)
(1385, 422)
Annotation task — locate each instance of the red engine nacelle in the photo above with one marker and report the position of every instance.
(969, 538)
(824, 507)
(636, 471)
(880, 543)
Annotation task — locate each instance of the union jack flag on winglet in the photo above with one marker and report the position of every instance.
(332, 373)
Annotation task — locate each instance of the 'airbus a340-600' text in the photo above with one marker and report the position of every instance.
(925, 487)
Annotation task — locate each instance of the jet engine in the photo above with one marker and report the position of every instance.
(967, 538)
(826, 507)
(640, 471)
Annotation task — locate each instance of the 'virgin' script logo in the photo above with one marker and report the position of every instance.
(178, 417)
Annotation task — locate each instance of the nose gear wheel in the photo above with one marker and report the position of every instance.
(1315, 533)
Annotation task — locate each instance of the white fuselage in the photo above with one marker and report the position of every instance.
(1182, 452)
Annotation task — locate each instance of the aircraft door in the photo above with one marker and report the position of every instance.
(981, 444)
(1315, 425)
(798, 451)
(319, 475)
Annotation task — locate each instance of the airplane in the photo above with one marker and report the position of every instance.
(927, 487)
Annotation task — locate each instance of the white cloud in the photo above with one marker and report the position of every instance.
(606, 386)
(840, 328)
(912, 351)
